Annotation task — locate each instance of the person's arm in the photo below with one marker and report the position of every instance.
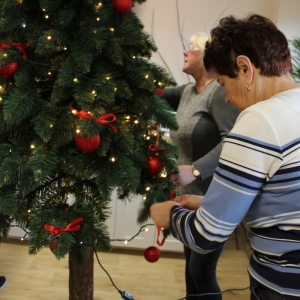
(173, 96)
(224, 115)
(239, 177)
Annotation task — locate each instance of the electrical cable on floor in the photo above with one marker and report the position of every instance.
(125, 295)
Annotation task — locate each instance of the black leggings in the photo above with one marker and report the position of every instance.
(200, 274)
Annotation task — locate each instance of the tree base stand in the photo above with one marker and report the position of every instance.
(81, 277)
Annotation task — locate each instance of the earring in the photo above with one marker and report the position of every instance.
(248, 86)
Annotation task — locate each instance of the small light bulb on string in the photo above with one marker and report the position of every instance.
(29, 210)
(112, 159)
(148, 138)
(47, 17)
(146, 229)
(23, 25)
(146, 76)
(133, 57)
(49, 37)
(98, 19)
(93, 92)
(65, 48)
(75, 80)
(125, 242)
(77, 131)
(148, 188)
(111, 29)
(159, 83)
(107, 78)
(136, 122)
(32, 146)
(144, 198)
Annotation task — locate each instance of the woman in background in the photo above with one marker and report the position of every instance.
(204, 120)
(257, 178)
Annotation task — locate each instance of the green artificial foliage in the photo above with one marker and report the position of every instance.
(63, 65)
(295, 51)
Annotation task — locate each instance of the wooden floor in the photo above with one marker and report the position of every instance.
(42, 277)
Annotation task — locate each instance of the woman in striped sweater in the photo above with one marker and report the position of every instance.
(258, 176)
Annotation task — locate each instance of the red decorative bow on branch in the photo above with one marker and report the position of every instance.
(72, 226)
(20, 46)
(106, 119)
(156, 147)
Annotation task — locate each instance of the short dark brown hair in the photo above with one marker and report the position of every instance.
(256, 37)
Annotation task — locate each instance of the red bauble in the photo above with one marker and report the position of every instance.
(155, 165)
(122, 7)
(87, 144)
(159, 92)
(152, 254)
(9, 70)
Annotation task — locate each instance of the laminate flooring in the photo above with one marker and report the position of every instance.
(43, 277)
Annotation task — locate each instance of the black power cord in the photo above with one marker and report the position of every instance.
(125, 295)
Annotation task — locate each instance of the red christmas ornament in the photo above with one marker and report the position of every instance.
(9, 70)
(122, 7)
(159, 92)
(87, 144)
(155, 165)
(152, 254)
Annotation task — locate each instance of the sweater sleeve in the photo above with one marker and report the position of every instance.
(173, 96)
(224, 115)
(249, 157)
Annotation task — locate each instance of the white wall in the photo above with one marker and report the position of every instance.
(166, 20)
(289, 18)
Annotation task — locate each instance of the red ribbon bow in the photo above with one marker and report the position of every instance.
(156, 147)
(20, 46)
(70, 227)
(106, 119)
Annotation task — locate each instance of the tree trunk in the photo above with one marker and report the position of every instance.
(81, 278)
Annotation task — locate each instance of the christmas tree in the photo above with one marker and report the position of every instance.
(79, 115)
(295, 51)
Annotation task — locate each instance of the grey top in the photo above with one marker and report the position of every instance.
(204, 120)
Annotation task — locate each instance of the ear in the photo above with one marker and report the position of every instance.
(245, 67)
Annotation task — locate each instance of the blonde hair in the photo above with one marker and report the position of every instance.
(200, 40)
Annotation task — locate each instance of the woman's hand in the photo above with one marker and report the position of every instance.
(160, 213)
(191, 202)
(184, 177)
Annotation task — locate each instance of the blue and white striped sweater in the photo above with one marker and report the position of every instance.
(258, 181)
